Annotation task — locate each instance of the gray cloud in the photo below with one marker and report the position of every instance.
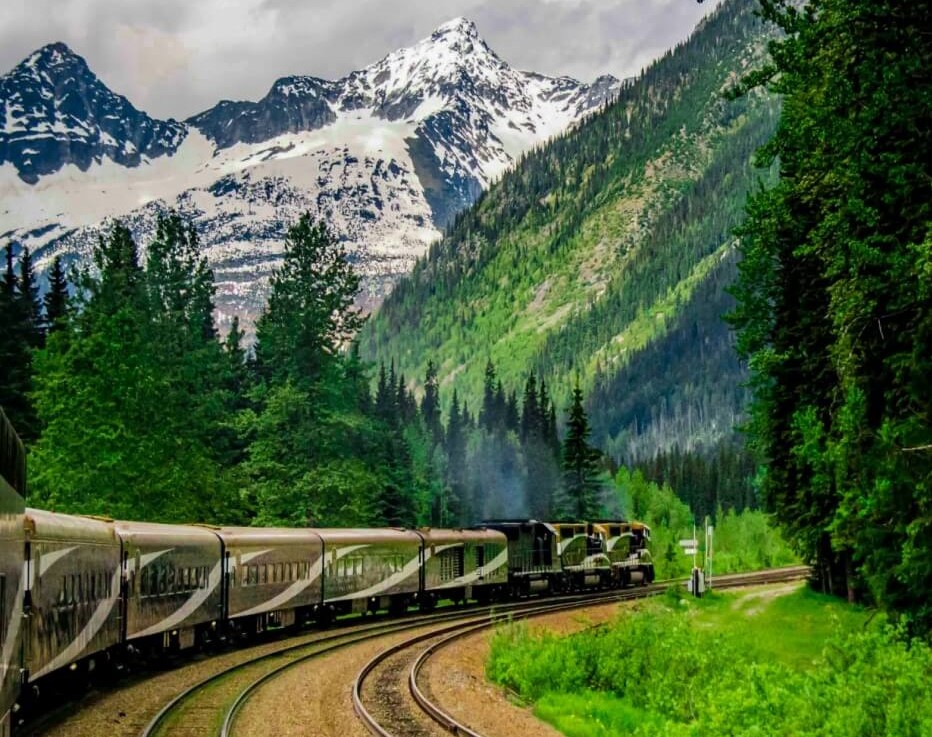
(174, 58)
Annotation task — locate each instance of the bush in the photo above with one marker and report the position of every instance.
(653, 672)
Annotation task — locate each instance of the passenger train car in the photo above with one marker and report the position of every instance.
(12, 582)
(78, 593)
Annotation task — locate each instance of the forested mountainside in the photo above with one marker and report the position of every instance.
(604, 253)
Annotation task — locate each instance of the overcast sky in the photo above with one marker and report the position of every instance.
(174, 58)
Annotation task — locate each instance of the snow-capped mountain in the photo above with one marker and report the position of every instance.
(387, 155)
(56, 112)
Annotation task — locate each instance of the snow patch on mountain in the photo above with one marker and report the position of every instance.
(387, 155)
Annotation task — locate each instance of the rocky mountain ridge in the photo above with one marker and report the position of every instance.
(387, 155)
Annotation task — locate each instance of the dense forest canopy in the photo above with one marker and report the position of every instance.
(835, 296)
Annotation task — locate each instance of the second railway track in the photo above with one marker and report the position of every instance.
(392, 705)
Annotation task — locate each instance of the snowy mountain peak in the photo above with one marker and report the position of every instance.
(387, 155)
(456, 27)
(56, 112)
(54, 55)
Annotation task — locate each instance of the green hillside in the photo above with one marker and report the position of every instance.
(592, 250)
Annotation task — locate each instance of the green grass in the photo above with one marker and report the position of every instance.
(790, 629)
(760, 663)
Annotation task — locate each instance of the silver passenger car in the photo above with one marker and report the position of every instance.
(274, 576)
(12, 509)
(72, 591)
(464, 564)
(174, 596)
(370, 569)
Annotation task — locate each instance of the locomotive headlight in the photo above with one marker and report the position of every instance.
(73, 666)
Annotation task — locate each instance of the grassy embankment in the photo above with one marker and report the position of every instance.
(746, 663)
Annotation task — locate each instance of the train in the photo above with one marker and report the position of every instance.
(81, 593)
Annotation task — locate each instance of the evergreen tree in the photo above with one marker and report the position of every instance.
(430, 404)
(15, 353)
(488, 414)
(457, 429)
(310, 314)
(56, 299)
(500, 403)
(385, 399)
(30, 310)
(512, 416)
(407, 405)
(580, 463)
(131, 397)
(530, 410)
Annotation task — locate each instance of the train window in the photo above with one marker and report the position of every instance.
(2, 607)
(480, 556)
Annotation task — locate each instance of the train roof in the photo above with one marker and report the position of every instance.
(433, 536)
(268, 536)
(518, 523)
(156, 533)
(366, 536)
(43, 525)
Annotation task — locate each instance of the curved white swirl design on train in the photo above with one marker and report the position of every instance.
(288, 594)
(79, 643)
(186, 609)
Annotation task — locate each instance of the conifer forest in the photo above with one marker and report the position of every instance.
(710, 297)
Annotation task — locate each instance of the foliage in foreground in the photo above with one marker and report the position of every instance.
(653, 672)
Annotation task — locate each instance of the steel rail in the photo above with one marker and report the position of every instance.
(534, 610)
(449, 723)
(320, 645)
(491, 613)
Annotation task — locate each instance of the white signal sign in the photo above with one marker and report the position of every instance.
(689, 543)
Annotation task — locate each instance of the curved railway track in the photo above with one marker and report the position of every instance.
(210, 706)
(392, 716)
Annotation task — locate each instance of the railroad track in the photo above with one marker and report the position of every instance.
(386, 712)
(210, 706)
